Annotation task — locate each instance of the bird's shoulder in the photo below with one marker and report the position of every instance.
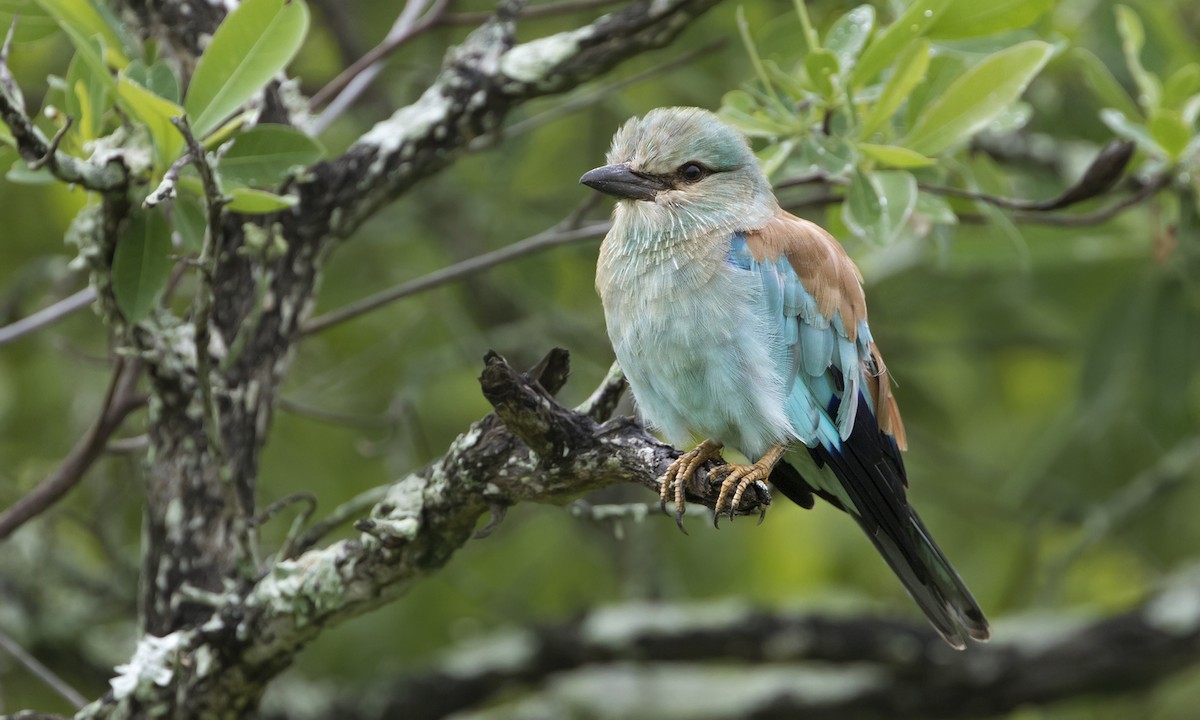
(819, 261)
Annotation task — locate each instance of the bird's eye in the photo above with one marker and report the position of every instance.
(691, 172)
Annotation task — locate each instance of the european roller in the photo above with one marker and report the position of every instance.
(738, 322)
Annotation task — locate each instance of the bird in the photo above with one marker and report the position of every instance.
(742, 324)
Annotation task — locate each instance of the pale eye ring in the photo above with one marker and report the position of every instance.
(691, 172)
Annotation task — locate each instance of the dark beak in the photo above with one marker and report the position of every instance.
(621, 182)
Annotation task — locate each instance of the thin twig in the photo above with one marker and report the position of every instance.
(1099, 217)
(343, 90)
(8, 86)
(610, 513)
(47, 315)
(166, 188)
(128, 446)
(119, 401)
(207, 263)
(41, 672)
(542, 241)
(352, 509)
(532, 13)
(309, 503)
(51, 153)
(337, 418)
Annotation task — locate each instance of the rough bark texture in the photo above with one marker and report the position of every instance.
(531, 449)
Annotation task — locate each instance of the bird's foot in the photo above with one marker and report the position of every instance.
(741, 477)
(675, 479)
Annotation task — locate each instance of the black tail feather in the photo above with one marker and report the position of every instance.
(870, 470)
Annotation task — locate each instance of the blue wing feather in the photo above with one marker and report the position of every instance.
(833, 413)
(823, 363)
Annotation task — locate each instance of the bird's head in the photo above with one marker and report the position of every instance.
(685, 167)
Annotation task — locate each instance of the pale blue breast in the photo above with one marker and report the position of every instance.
(702, 351)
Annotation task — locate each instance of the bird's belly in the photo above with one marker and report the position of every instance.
(703, 368)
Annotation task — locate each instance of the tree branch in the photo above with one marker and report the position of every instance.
(732, 660)
(119, 401)
(545, 240)
(37, 151)
(532, 449)
(47, 316)
(481, 80)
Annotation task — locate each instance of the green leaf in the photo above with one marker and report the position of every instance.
(1102, 82)
(910, 70)
(899, 194)
(263, 155)
(792, 84)
(1126, 128)
(252, 44)
(878, 205)
(977, 97)
(1181, 86)
(741, 110)
(862, 210)
(141, 265)
(811, 40)
(772, 157)
(88, 97)
(1133, 36)
(1169, 131)
(965, 19)
(831, 155)
(35, 22)
(935, 209)
(161, 80)
(190, 221)
(80, 19)
(894, 156)
(849, 34)
(912, 24)
(258, 202)
(20, 174)
(822, 67)
(90, 50)
(943, 70)
(155, 113)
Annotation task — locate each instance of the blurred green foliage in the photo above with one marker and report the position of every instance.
(1048, 374)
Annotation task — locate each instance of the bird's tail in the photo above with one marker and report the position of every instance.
(876, 495)
(929, 577)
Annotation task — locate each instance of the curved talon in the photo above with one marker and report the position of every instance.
(762, 514)
(741, 477)
(674, 481)
(737, 495)
(680, 504)
(679, 521)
